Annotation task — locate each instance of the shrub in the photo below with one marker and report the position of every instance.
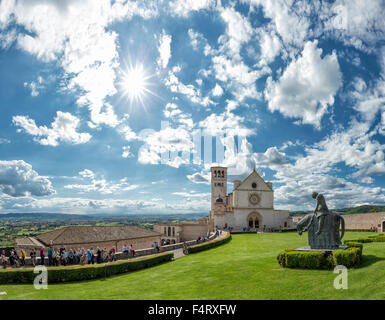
(209, 245)
(379, 239)
(321, 259)
(307, 260)
(348, 258)
(361, 240)
(87, 272)
(352, 243)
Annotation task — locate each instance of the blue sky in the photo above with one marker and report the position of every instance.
(103, 103)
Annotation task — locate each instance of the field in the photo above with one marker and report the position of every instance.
(245, 268)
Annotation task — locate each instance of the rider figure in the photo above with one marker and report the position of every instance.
(320, 211)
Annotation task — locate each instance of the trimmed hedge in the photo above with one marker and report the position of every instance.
(86, 272)
(376, 238)
(321, 259)
(208, 245)
(349, 258)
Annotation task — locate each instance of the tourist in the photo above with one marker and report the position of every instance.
(50, 260)
(42, 256)
(22, 257)
(98, 255)
(185, 249)
(33, 257)
(92, 255)
(3, 259)
(132, 251)
(124, 249)
(53, 257)
(64, 257)
(156, 246)
(84, 259)
(112, 255)
(89, 257)
(70, 257)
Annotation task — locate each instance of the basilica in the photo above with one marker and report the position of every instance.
(250, 206)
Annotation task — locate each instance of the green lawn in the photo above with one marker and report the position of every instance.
(245, 268)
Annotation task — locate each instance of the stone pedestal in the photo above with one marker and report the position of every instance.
(307, 248)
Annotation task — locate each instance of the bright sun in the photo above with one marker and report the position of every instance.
(135, 83)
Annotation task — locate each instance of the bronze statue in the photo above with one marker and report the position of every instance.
(323, 226)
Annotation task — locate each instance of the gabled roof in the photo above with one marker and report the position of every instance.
(90, 234)
(254, 177)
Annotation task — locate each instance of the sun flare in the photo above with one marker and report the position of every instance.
(135, 83)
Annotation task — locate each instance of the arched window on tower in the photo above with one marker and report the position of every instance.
(169, 231)
(223, 174)
(215, 173)
(173, 231)
(165, 231)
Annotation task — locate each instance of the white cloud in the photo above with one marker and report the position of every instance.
(35, 86)
(63, 129)
(184, 7)
(192, 195)
(357, 23)
(217, 91)
(238, 31)
(226, 123)
(164, 50)
(189, 90)
(102, 186)
(199, 178)
(307, 86)
(270, 47)
(126, 153)
(4, 141)
(165, 141)
(239, 78)
(18, 179)
(271, 157)
(86, 173)
(74, 33)
(127, 133)
(7, 39)
(290, 18)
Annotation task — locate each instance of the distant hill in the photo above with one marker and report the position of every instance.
(64, 216)
(54, 216)
(354, 210)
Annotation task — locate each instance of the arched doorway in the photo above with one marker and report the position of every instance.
(254, 220)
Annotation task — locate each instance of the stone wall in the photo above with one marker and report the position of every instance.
(193, 231)
(137, 243)
(365, 221)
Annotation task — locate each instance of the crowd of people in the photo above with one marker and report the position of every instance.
(63, 257)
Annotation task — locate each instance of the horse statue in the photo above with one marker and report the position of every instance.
(323, 226)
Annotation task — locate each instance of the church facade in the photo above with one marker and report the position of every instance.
(250, 206)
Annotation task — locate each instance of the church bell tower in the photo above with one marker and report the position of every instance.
(218, 184)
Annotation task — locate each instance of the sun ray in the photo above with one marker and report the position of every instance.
(135, 84)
